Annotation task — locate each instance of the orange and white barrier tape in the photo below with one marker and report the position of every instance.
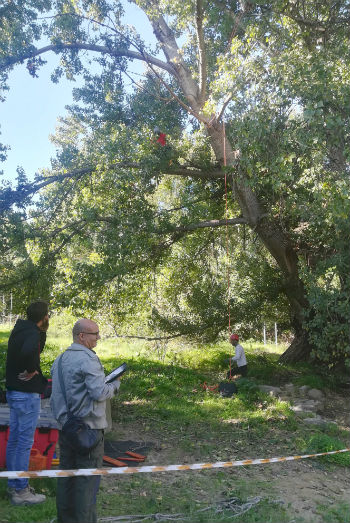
(155, 468)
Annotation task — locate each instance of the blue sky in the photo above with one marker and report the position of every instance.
(29, 114)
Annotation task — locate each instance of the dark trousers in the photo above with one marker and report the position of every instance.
(76, 497)
(238, 370)
(243, 370)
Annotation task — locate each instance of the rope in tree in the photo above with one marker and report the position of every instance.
(227, 241)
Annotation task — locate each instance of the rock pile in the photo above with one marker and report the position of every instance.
(307, 403)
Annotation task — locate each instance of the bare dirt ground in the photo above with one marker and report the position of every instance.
(302, 486)
(337, 409)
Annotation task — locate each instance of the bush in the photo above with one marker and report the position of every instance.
(327, 320)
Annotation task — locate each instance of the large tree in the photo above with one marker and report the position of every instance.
(276, 74)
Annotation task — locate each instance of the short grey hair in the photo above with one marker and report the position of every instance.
(77, 329)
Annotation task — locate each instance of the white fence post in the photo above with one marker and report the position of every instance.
(11, 309)
(275, 333)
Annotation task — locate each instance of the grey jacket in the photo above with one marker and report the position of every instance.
(85, 387)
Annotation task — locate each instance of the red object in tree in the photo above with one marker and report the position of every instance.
(162, 139)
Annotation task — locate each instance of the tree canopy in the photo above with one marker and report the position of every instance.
(254, 102)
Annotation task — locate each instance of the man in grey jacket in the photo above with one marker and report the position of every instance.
(86, 393)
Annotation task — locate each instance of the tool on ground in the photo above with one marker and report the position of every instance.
(115, 462)
(119, 462)
(124, 458)
(212, 388)
(135, 455)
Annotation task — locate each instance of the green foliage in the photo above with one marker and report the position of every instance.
(267, 369)
(120, 236)
(47, 358)
(327, 318)
(325, 443)
(315, 381)
(247, 386)
(194, 289)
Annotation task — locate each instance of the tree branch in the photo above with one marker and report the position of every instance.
(159, 338)
(76, 46)
(9, 196)
(180, 232)
(201, 52)
(211, 224)
(216, 173)
(170, 48)
(223, 108)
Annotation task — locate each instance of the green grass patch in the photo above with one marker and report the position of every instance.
(317, 380)
(161, 397)
(337, 513)
(192, 496)
(27, 514)
(318, 443)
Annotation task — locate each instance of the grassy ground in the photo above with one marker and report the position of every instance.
(161, 401)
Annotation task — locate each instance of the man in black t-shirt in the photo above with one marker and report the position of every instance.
(25, 384)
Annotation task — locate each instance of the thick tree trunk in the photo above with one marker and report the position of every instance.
(278, 244)
(282, 250)
(298, 350)
(268, 229)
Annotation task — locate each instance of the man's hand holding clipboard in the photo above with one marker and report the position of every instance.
(116, 373)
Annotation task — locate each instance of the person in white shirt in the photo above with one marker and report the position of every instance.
(239, 356)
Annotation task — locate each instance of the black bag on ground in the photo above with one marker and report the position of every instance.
(81, 437)
(226, 390)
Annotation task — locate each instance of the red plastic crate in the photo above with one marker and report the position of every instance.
(4, 436)
(45, 437)
(45, 440)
